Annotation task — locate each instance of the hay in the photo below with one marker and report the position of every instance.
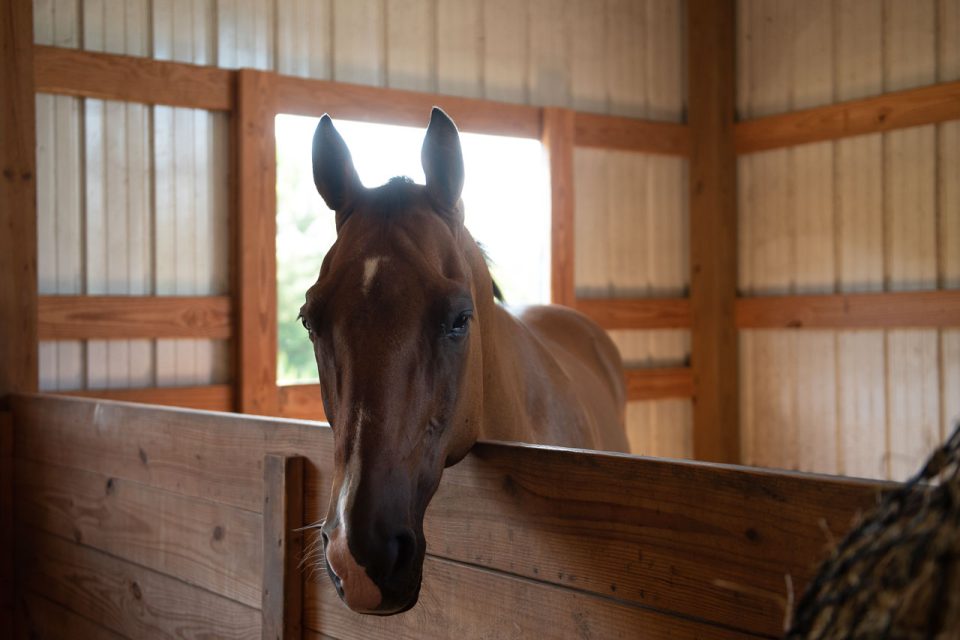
(897, 575)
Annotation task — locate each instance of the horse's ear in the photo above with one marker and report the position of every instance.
(333, 170)
(442, 160)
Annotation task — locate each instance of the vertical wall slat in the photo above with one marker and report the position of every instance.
(459, 48)
(505, 50)
(358, 41)
(409, 45)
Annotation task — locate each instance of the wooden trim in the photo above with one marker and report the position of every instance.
(283, 521)
(659, 384)
(637, 313)
(631, 134)
(256, 272)
(896, 110)
(557, 138)
(309, 97)
(301, 401)
(18, 201)
(213, 397)
(914, 309)
(106, 76)
(121, 317)
(713, 229)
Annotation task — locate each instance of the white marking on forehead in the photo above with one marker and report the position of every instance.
(351, 474)
(370, 266)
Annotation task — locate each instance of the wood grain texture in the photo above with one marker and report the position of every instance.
(282, 603)
(6, 514)
(206, 544)
(713, 230)
(301, 401)
(657, 384)
(132, 79)
(631, 134)
(116, 317)
(895, 110)
(636, 313)
(18, 201)
(557, 138)
(214, 397)
(256, 223)
(126, 598)
(44, 619)
(851, 311)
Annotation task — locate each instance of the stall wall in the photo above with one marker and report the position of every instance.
(133, 199)
(878, 212)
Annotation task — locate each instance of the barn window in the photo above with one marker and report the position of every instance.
(506, 197)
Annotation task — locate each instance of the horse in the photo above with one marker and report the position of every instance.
(418, 361)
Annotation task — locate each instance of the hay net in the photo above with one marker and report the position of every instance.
(897, 574)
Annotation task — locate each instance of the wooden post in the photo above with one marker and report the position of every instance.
(282, 546)
(713, 229)
(557, 137)
(256, 262)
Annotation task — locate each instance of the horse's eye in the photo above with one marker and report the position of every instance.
(460, 325)
(306, 325)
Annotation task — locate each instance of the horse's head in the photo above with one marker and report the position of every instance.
(394, 323)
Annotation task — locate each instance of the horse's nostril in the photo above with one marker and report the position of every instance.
(325, 538)
(404, 547)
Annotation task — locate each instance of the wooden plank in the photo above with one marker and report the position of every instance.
(210, 545)
(125, 598)
(713, 230)
(122, 316)
(301, 401)
(256, 272)
(45, 619)
(631, 134)
(851, 310)
(557, 139)
(6, 513)
(637, 313)
(213, 397)
(887, 112)
(305, 97)
(131, 79)
(657, 384)
(283, 522)
(467, 602)
(18, 201)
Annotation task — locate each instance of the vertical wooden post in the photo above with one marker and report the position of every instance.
(256, 261)
(711, 34)
(282, 547)
(557, 137)
(18, 254)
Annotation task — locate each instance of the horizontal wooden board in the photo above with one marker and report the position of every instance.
(461, 601)
(897, 110)
(122, 317)
(913, 309)
(658, 384)
(213, 397)
(114, 77)
(631, 134)
(125, 598)
(44, 619)
(637, 313)
(301, 401)
(708, 541)
(202, 543)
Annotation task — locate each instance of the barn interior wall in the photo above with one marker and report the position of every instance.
(878, 212)
(133, 199)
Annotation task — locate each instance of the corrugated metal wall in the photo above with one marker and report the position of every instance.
(133, 198)
(872, 213)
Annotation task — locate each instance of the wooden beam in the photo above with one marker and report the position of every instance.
(309, 97)
(256, 272)
(903, 309)
(86, 74)
(213, 397)
(283, 523)
(631, 134)
(637, 313)
(896, 110)
(301, 401)
(557, 138)
(116, 317)
(713, 229)
(659, 384)
(18, 201)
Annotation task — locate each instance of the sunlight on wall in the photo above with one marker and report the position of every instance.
(506, 197)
